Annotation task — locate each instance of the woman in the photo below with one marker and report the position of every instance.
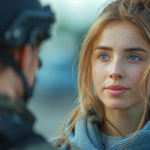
(114, 82)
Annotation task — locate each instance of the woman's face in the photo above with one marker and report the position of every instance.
(119, 59)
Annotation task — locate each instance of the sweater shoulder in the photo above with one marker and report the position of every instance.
(63, 146)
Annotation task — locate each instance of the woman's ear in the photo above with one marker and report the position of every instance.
(23, 56)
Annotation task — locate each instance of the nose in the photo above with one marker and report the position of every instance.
(116, 71)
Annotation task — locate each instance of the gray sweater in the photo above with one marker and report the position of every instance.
(87, 135)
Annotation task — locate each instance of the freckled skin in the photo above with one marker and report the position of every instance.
(120, 36)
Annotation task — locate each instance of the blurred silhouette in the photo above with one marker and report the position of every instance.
(24, 25)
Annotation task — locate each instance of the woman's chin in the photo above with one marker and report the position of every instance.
(116, 105)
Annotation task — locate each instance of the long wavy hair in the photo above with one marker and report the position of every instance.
(134, 11)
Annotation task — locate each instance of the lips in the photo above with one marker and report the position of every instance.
(116, 89)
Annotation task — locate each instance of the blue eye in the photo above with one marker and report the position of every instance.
(134, 58)
(103, 56)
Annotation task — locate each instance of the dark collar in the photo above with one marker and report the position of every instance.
(10, 106)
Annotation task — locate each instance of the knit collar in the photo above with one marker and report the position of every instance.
(86, 134)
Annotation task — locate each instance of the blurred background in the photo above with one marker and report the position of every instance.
(56, 85)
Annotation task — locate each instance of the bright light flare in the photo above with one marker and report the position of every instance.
(77, 1)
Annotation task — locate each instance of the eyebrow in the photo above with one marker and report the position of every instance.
(126, 49)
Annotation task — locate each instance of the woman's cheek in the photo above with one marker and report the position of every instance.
(136, 76)
(99, 76)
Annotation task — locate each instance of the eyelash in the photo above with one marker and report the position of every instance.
(133, 55)
(136, 56)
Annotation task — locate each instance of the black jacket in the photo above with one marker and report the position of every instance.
(16, 131)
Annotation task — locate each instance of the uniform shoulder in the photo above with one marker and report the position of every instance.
(21, 136)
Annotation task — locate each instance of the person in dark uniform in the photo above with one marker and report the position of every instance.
(24, 24)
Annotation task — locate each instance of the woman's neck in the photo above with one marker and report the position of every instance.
(125, 121)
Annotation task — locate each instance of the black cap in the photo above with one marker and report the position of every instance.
(9, 9)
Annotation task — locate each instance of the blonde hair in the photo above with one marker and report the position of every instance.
(134, 11)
